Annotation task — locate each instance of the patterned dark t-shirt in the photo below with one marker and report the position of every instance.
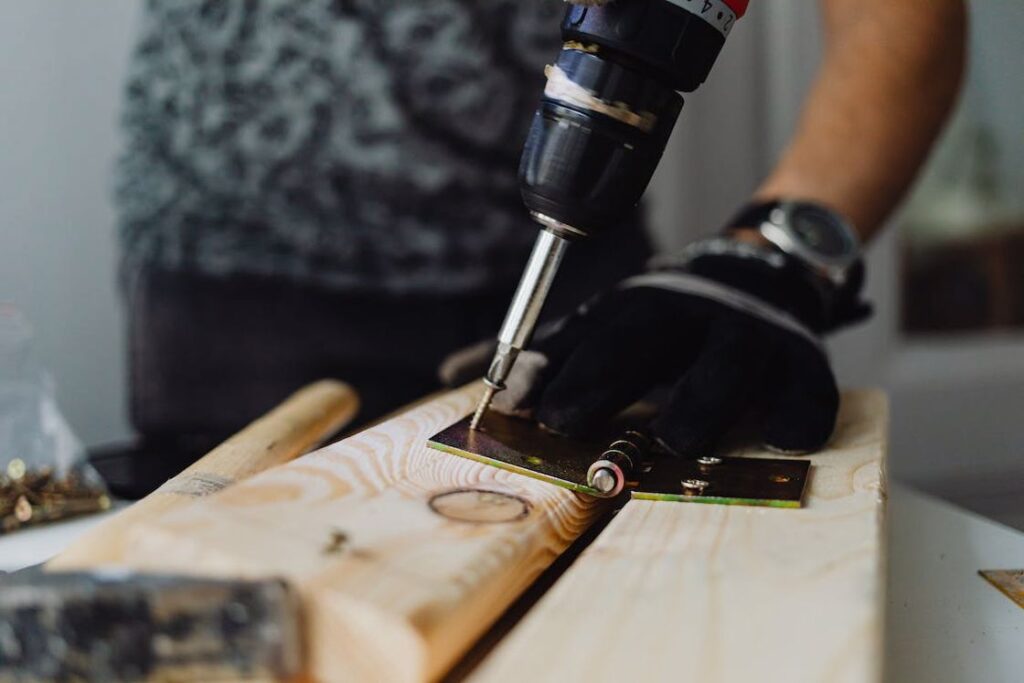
(360, 144)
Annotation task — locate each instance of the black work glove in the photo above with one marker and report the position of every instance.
(732, 327)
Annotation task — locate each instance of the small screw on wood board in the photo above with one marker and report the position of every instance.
(337, 542)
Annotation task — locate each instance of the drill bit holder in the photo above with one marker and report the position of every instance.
(648, 471)
(595, 141)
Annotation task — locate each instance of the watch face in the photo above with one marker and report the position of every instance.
(820, 232)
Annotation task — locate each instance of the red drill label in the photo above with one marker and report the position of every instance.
(721, 14)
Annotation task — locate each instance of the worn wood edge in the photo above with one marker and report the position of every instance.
(419, 640)
(302, 421)
(547, 643)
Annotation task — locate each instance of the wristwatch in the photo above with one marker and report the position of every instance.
(814, 235)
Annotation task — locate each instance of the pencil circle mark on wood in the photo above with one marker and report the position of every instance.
(480, 506)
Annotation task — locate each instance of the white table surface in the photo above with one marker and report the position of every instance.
(32, 546)
(944, 623)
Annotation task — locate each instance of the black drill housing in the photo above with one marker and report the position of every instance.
(584, 168)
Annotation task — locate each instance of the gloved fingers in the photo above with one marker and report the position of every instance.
(603, 375)
(553, 341)
(640, 339)
(556, 340)
(802, 401)
(643, 338)
(716, 390)
(551, 345)
(466, 364)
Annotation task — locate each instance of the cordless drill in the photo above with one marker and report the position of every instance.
(608, 109)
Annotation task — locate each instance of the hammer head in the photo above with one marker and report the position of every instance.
(119, 626)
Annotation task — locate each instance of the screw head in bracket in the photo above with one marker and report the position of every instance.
(693, 486)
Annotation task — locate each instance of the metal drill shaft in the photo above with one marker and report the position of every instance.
(522, 314)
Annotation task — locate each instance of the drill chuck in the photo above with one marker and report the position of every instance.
(611, 103)
(595, 141)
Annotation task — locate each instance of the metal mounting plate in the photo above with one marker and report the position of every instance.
(521, 446)
(769, 482)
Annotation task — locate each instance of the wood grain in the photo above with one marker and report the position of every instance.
(676, 591)
(394, 589)
(304, 420)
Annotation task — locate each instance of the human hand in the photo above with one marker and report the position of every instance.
(733, 328)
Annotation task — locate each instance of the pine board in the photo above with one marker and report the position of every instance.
(675, 592)
(394, 590)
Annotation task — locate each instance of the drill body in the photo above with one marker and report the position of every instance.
(611, 103)
(608, 109)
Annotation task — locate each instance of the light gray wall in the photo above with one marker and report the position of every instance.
(716, 155)
(62, 66)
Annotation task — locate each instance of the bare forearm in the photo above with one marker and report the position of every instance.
(888, 82)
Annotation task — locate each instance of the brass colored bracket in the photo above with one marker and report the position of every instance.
(521, 446)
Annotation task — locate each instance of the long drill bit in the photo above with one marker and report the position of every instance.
(522, 314)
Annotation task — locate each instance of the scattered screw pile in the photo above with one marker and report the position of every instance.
(36, 496)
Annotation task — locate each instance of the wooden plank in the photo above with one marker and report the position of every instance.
(306, 419)
(675, 591)
(404, 555)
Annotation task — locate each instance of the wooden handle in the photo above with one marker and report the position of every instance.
(309, 416)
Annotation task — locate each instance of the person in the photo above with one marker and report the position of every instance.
(328, 188)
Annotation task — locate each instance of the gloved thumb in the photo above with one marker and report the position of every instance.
(466, 364)
(552, 342)
(470, 363)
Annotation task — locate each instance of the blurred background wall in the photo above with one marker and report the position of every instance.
(62, 65)
(957, 399)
